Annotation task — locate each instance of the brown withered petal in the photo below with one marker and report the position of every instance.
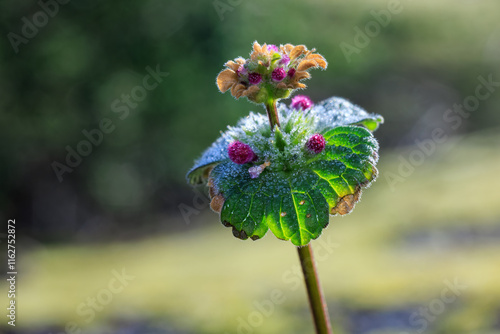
(232, 65)
(212, 192)
(296, 85)
(257, 50)
(301, 75)
(322, 63)
(357, 194)
(237, 90)
(281, 85)
(240, 60)
(257, 47)
(320, 60)
(287, 48)
(240, 92)
(297, 51)
(306, 64)
(226, 79)
(345, 204)
(217, 203)
(250, 91)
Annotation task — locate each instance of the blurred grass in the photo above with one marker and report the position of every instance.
(393, 252)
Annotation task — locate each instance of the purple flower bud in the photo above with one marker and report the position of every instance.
(241, 70)
(254, 78)
(285, 60)
(301, 102)
(272, 47)
(240, 153)
(291, 72)
(278, 74)
(316, 143)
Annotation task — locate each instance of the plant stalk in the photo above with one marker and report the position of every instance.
(272, 113)
(316, 299)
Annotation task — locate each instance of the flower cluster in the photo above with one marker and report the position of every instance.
(271, 72)
(275, 150)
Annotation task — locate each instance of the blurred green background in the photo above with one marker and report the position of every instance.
(422, 224)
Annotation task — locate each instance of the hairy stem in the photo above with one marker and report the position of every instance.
(316, 299)
(272, 113)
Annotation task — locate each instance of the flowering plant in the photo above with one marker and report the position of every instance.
(289, 171)
(288, 178)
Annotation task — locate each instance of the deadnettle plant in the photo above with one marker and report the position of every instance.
(290, 170)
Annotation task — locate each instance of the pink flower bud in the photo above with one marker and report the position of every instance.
(285, 60)
(278, 74)
(301, 102)
(241, 70)
(254, 78)
(240, 153)
(272, 47)
(316, 143)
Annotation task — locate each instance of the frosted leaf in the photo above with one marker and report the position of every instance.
(212, 156)
(337, 111)
(288, 188)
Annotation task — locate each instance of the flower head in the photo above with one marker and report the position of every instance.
(271, 72)
(240, 153)
(316, 144)
(301, 102)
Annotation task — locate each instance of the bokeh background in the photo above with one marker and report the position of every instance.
(419, 254)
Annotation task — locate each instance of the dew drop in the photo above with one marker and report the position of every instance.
(283, 214)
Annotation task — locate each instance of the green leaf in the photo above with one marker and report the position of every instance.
(295, 204)
(297, 190)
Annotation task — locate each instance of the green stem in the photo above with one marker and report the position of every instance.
(272, 113)
(316, 299)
